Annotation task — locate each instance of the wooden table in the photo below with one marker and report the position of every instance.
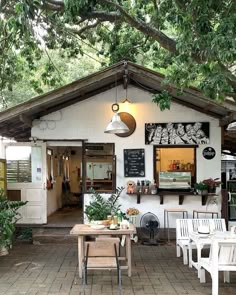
(83, 230)
(200, 240)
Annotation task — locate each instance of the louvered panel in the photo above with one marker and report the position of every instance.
(18, 171)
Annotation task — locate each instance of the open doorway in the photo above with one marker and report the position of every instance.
(64, 194)
(75, 170)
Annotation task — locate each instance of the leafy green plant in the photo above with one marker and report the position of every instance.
(99, 207)
(162, 99)
(201, 186)
(8, 217)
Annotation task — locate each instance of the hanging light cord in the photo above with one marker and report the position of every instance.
(115, 106)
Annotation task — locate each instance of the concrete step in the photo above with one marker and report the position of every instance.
(45, 235)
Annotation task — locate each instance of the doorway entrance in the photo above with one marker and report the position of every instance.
(64, 181)
(53, 176)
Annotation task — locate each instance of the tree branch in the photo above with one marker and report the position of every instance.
(105, 16)
(164, 41)
(5, 38)
(230, 77)
(88, 27)
(76, 31)
(160, 37)
(52, 7)
(56, 3)
(180, 4)
(2, 3)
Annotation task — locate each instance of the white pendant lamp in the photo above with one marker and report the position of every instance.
(116, 125)
(231, 126)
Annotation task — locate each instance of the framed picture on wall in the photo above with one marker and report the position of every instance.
(177, 133)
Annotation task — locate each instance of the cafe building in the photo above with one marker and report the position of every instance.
(63, 145)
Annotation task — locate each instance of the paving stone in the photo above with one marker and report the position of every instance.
(52, 270)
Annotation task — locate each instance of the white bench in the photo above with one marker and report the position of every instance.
(185, 226)
(222, 258)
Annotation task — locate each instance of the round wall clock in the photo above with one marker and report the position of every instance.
(129, 121)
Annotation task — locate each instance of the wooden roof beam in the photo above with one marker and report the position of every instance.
(231, 117)
(26, 120)
(208, 107)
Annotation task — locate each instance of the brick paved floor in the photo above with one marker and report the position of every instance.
(52, 269)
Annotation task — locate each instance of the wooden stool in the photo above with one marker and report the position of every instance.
(205, 212)
(166, 218)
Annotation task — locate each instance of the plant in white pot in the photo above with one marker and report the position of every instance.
(8, 217)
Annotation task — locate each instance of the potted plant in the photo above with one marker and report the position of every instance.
(201, 188)
(212, 184)
(8, 217)
(132, 214)
(99, 207)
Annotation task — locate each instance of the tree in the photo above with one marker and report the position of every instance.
(192, 41)
(68, 70)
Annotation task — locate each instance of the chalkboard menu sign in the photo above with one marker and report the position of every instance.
(134, 163)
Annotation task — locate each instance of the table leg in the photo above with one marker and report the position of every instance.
(167, 224)
(80, 254)
(190, 252)
(199, 250)
(128, 254)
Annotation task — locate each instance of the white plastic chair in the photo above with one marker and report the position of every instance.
(185, 226)
(222, 258)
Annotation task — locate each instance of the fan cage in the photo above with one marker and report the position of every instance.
(150, 226)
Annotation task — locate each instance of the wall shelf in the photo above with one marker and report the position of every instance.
(205, 197)
(163, 193)
(176, 193)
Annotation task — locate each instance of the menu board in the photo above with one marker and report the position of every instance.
(134, 163)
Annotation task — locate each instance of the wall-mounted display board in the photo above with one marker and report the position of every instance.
(134, 163)
(177, 133)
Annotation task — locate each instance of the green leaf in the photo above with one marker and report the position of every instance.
(163, 100)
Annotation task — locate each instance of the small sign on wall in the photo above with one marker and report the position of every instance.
(209, 153)
(177, 133)
(134, 162)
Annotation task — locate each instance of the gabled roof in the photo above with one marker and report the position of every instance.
(16, 122)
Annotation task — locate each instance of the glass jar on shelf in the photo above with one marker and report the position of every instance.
(174, 165)
(153, 188)
(177, 165)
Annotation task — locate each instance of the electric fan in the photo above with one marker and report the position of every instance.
(149, 225)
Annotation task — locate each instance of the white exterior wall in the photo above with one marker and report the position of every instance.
(89, 118)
